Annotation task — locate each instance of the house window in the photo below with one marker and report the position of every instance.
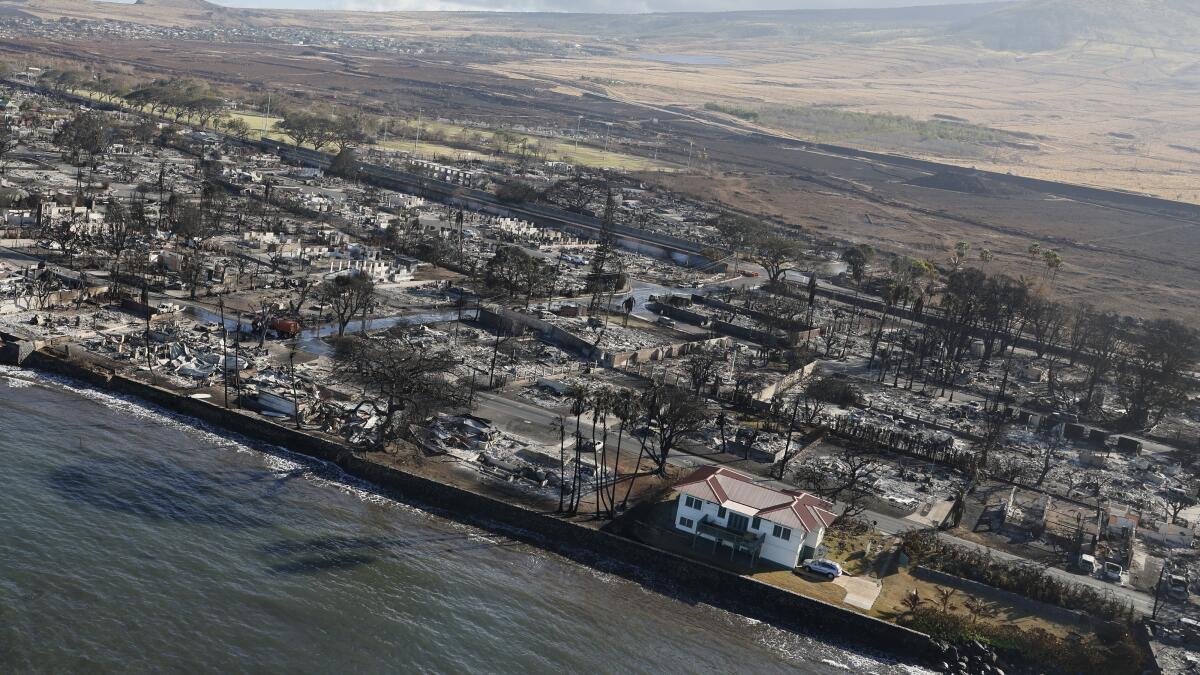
(686, 522)
(756, 523)
(693, 503)
(782, 533)
(721, 512)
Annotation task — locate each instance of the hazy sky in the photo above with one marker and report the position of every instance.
(582, 5)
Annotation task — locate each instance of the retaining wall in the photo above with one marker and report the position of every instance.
(732, 329)
(493, 317)
(1055, 613)
(686, 579)
(786, 382)
(623, 359)
(789, 326)
(681, 314)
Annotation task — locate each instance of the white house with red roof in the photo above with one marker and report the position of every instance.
(730, 509)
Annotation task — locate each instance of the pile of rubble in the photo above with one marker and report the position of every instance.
(478, 444)
(609, 336)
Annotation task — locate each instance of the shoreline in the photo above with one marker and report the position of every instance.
(665, 573)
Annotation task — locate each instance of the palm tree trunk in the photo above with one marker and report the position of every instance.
(612, 491)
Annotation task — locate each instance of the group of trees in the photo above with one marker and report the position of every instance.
(322, 130)
(176, 98)
(408, 237)
(776, 251)
(496, 142)
(1150, 363)
(1145, 362)
(85, 138)
(347, 296)
(234, 126)
(109, 85)
(63, 80)
(580, 192)
(411, 381)
(179, 98)
(516, 273)
(658, 418)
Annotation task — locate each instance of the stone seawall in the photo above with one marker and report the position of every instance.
(686, 579)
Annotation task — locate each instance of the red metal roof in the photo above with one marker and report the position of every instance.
(739, 492)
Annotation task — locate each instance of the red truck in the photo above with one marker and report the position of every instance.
(289, 328)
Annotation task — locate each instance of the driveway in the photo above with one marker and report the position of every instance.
(860, 591)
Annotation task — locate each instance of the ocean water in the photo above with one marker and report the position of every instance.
(132, 540)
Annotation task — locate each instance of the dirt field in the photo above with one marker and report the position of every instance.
(1106, 115)
(1115, 110)
(1141, 264)
(1093, 113)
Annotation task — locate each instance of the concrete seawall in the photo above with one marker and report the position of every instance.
(682, 578)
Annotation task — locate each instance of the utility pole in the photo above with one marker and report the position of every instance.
(459, 218)
(417, 136)
(162, 179)
(237, 369)
(292, 373)
(577, 123)
(146, 308)
(224, 350)
(1158, 587)
(262, 125)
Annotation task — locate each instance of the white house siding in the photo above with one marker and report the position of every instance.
(786, 553)
(814, 539)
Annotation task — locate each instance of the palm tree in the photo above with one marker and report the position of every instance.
(858, 260)
(1035, 252)
(960, 254)
(912, 601)
(580, 402)
(978, 608)
(904, 286)
(602, 402)
(635, 410)
(625, 408)
(1053, 261)
(562, 460)
(945, 596)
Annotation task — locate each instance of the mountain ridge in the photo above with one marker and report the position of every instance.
(1049, 25)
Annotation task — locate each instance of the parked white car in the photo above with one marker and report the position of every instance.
(825, 568)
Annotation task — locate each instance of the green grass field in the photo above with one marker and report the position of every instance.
(557, 150)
